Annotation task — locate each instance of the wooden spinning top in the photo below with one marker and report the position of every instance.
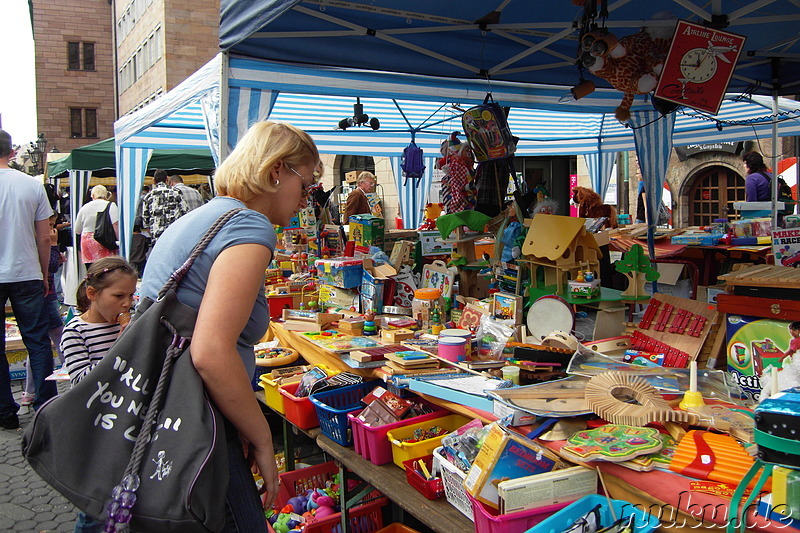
(624, 399)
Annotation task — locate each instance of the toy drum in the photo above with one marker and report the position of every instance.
(453, 348)
(548, 314)
(462, 333)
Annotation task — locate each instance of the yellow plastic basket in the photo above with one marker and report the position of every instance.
(406, 451)
(272, 396)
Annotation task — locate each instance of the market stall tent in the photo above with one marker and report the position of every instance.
(315, 98)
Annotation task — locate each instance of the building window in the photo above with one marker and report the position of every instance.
(74, 56)
(83, 123)
(148, 53)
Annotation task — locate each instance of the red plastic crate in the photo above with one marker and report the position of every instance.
(364, 518)
(371, 442)
(299, 411)
(488, 520)
(431, 489)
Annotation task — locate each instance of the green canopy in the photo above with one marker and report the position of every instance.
(100, 156)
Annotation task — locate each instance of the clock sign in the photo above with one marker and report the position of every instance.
(699, 66)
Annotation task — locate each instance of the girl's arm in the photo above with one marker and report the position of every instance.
(236, 278)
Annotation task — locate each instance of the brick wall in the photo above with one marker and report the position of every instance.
(57, 88)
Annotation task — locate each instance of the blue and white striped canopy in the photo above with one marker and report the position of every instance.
(317, 98)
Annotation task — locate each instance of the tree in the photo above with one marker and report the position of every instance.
(635, 265)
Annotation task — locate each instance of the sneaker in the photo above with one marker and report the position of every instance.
(26, 399)
(9, 422)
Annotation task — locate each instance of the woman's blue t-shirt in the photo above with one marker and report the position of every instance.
(176, 244)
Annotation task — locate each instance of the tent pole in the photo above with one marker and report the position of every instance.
(775, 140)
(223, 107)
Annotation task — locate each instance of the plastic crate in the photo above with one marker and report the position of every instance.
(430, 488)
(644, 522)
(371, 442)
(298, 411)
(453, 481)
(405, 451)
(364, 518)
(272, 396)
(488, 520)
(332, 407)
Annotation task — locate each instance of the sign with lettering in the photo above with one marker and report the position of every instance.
(699, 66)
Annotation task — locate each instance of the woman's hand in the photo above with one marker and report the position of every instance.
(266, 467)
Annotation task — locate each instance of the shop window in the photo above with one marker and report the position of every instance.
(712, 195)
(83, 123)
(77, 60)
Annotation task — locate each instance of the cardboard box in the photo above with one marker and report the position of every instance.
(561, 486)
(754, 344)
(330, 296)
(786, 246)
(367, 230)
(373, 283)
(351, 177)
(505, 455)
(670, 281)
(433, 244)
(344, 272)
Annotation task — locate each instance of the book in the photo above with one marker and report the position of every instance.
(549, 488)
(505, 455)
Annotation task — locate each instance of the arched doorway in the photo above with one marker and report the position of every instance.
(354, 163)
(712, 195)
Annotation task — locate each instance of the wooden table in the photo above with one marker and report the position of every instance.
(438, 515)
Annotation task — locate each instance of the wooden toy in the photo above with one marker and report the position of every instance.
(396, 335)
(635, 265)
(706, 455)
(612, 442)
(562, 246)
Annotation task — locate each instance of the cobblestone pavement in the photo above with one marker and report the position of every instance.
(28, 504)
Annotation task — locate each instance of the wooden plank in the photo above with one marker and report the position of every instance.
(438, 515)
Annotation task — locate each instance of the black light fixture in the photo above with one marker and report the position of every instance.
(359, 118)
(37, 151)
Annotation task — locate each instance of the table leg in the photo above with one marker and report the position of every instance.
(288, 445)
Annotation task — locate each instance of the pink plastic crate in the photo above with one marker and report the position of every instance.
(488, 520)
(371, 442)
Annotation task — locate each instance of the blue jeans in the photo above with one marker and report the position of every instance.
(27, 302)
(244, 512)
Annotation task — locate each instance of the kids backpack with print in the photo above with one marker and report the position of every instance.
(486, 128)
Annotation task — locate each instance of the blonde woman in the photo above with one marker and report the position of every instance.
(91, 250)
(268, 174)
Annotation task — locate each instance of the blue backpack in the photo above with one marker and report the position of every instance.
(413, 163)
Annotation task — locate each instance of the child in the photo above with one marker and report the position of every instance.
(789, 374)
(794, 344)
(55, 325)
(104, 298)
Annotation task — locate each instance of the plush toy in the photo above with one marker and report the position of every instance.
(631, 64)
(457, 163)
(511, 248)
(432, 212)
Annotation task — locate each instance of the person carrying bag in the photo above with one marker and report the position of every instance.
(104, 229)
(161, 441)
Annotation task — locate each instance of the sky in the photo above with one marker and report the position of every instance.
(17, 88)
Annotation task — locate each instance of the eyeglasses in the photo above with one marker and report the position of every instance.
(306, 185)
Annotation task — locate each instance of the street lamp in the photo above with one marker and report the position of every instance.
(37, 151)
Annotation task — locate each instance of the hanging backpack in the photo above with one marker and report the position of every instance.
(784, 195)
(486, 128)
(413, 163)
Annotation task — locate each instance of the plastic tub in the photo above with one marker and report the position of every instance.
(644, 522)
(332, 408)
(453, 481)
(298, 411)
(272, 396)
(430, 488)
(371, 442)
(364, 518)
(405, 451)
(488, 520)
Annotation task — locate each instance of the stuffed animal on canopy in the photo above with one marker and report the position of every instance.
(457, 163)
(590, 205)
(631, 64)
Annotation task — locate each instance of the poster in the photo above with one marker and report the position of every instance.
(786, 246)
(699, 66)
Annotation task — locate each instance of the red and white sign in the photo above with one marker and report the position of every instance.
(699, 66)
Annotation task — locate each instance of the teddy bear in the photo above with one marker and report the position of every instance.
(457, 163)
(631, 64)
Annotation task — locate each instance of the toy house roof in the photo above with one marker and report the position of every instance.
(550, 235)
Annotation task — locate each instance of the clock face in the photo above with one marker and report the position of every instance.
(698, 65)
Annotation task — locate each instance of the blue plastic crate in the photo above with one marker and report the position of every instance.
(644, 522)
(332, 408)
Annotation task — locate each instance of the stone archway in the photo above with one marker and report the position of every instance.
(710, 192)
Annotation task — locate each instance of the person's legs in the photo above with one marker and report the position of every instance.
(244, 512)
(27, 301)
(55, 326)
(8, 407)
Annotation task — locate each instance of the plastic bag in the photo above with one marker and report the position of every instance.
(493, 334)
